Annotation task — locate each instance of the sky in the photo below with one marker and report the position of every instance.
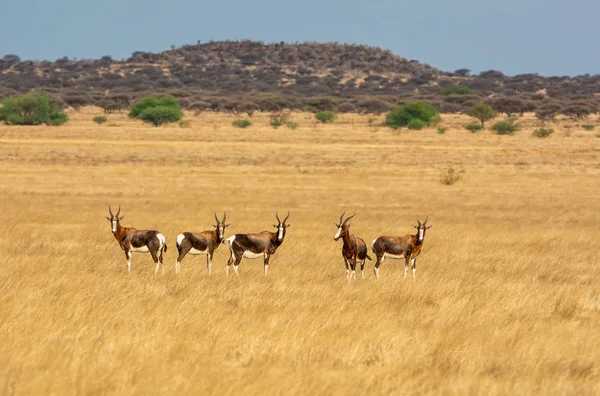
(549, 37)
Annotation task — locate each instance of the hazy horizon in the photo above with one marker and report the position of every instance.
(549, 37)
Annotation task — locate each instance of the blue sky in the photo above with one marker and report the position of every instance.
(550, 37)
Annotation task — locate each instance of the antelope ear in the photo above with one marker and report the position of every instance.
(334, 223)
(288, 226)
(416, 227)
(122, 217)
(214, 226)
(107, 218)
(349, 224)
(275, 226)
(227, 225)
(428, 227)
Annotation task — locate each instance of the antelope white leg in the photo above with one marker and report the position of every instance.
(353, 275)
(129, 262)
(266, 269)
(376, 270)
(177, 267)
(414, 267)
(235, 268)
(362, 272)
(405, 271)
(414, 273)
(156, 268)
(227, 270)
(209, 264)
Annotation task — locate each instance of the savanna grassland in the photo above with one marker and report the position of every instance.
(506, 300)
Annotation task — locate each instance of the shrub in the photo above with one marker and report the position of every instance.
(442, 130)
(184, 124)
(505, 127)
(291, 124)
(325, 116)
(459, 89)
(31, 109)
(159, 115)
(416, 124)
(99, 120)
(483, 113)
(153, 101)
(543, 132)
(450, 176)
(276, 123)
(588, 127)
(473, 127)
(401, 115)
(243, 123)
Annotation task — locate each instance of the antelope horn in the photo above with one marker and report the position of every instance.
(418, 222)
(110, 211)
(342, 218)
(216, 218)
(348, 218)
(427, 218)
(277, 215)
(119, 211)
(286, 217)
(224, 217)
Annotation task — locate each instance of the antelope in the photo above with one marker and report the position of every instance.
(407, 247)
(254, 246)
(139, 241)
(205, 242)
(354, 248)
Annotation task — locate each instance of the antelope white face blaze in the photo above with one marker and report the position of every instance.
(220, 232)
(280, 234)
(337, 234)
(421, 231)
(114, 226)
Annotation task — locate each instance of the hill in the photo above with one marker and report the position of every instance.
(221, 75)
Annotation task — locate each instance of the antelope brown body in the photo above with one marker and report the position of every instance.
(354, 248)
(263, 244)
(205, 242)
(407, 247)
(141, 241)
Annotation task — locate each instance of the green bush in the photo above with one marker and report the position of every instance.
(99, 120)
(400, 116)
(31, 109)
(159, 115)
(325, 116)
(243, 123)
(505, 127)
(442, 130)
(483, 113)
(416, 124)
(276, 123)
(588, 127)
(291, 124)
(473, 127)
(153, 101)
(543, 132)
(459, 89)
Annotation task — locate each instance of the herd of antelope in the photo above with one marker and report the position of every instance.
(265, 244)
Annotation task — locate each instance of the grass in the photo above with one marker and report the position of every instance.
(506, 298)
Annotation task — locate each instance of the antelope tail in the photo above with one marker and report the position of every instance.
(165, 247)
(178, 246)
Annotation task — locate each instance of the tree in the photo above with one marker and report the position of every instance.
(483, 113)
(462, 72)
(509, 105)
(460, 89)
(402, 115)
(548, 111)
(31, 109)
(577, 110)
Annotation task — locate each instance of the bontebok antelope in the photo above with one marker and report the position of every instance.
(254, 246)
(201, 243)
(407, 247)
(141, 241)
(354, 248)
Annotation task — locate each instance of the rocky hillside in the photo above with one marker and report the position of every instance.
(293, 74)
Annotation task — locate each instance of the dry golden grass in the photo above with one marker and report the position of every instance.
(507, 296)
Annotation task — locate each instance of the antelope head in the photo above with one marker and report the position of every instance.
(421, 228)
(343, 226)
(114, 219)
(220, 226)
(281, 226)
